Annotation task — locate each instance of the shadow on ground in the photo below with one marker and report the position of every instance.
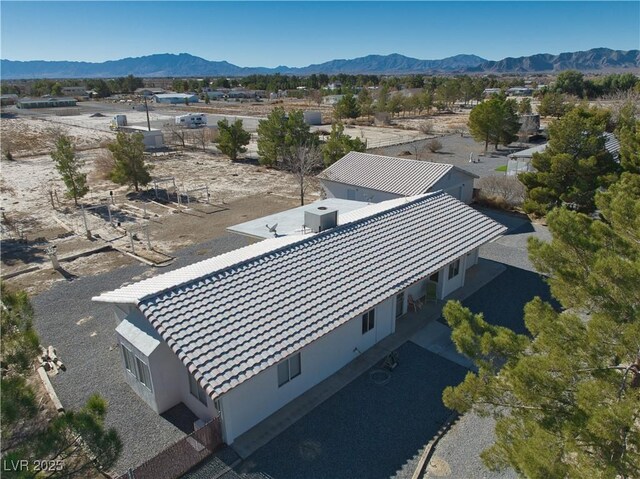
(368, 429)
(502, 301)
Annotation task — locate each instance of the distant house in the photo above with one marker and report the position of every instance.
(491, 91)
(375, 178)
(26, 103)
(148, 92)
(519, 91)
(175, 98)
(8, 99)
(520, 161)
(242, 334)
(75, 91)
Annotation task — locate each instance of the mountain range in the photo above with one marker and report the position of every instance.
(185, 65)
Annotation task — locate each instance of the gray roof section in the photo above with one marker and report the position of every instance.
(291, 221)
(386, 173)
(232, 323)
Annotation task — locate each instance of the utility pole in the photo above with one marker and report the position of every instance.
(146, 107)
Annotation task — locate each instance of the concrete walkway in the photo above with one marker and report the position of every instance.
(406, 329)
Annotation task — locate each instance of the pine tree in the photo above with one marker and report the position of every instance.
(69, 166)
(339, 144)
(232, 138)
(128, 154)
(567, 397)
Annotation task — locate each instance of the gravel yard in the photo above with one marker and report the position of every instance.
(83, 334)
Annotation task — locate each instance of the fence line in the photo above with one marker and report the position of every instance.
(181, 456)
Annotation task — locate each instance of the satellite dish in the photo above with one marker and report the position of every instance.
(272, 229)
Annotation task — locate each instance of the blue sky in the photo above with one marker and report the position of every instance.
(301, 33)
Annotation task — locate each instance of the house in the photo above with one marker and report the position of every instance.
(148, 92)
(519, 91)
(375, 178)
(520, 161)
(491, 91)
(176, 98)
(8, 99)
(242, 334)
(45, 102)
(75, 91)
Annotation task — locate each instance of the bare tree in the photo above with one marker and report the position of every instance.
(177, 134)
(303, 161)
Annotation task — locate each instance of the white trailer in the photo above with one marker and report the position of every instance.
(192, 120)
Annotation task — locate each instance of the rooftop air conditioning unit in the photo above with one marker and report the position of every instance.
(321, 219)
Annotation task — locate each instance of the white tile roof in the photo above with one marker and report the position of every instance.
(386, 173)
(229, 323)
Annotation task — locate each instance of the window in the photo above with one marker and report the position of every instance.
(197, 391)
(289, 369)
(368, 321)
(144, 376)
(351, 194)
(128, 359)
(138, 368)
(454, 269)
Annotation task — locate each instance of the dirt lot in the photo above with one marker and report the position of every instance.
(36, 215)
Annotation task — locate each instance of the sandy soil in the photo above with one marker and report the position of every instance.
(36, 214)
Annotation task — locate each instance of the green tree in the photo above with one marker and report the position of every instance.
(339, 144)
(494, 121)
(56, 89)
(554, 104)
(19, 346)
(347, 107)
(524, 107)
(280, 134)
(570, 82)
(628, 133)
(232, 138)
(78, 439)
(128, 155)
(365, 102)
(69, 166)
(567, 397)
(395, 103)
(574, 165)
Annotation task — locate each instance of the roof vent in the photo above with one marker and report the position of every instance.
(320, 219)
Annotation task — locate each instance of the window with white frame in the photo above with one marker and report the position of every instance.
(454, 269)
(368, 321)
(137, 367)
(196, 390)
(289, 369)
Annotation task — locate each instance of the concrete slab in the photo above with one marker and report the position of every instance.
(436, 337)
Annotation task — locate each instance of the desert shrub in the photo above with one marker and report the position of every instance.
(103, 164)
(501, 190)
(434, 145)
(426, 127)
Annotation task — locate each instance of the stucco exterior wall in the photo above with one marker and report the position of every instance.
(254, 400)
(457, 184)
(334, 189)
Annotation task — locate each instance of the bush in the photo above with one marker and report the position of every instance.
(434, 146)
(501, 191)
(426, 127)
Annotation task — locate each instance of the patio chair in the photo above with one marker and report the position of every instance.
(413, 304)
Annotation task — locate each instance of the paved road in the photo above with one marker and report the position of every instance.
(83, 334)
